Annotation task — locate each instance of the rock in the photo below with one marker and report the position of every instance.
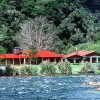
(94, 83)
(2, 70)
(98, 89)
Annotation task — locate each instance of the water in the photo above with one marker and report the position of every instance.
(48, 88)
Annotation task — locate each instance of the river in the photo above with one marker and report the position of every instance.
(48, 88)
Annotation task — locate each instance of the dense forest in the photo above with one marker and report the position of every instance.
(46, 24)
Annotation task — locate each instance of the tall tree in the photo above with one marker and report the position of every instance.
(10, 19)
(37, 33)
(75, 23)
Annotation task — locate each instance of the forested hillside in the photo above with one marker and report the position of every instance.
(46, 24)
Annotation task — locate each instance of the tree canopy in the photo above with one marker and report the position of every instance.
(73, 23)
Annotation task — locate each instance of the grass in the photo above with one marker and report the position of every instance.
(76, 68)
(97, 72)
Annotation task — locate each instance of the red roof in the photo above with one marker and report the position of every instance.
(79, 53)
(41, 54)
(13, 56)
(2, 56)
(47, 54)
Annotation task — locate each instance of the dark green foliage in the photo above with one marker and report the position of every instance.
(9, 24)
(10, 71)
(2, 50)
(65, 68)
(74, 23)
(9, 44)
(26, 70)
(78, 27)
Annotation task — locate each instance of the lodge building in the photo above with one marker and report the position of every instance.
(29, 57)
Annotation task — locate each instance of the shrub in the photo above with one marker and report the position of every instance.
(48, 68)
(26, 70)
(10, 71)
(3, 50)
(65, 68)
(34, 71)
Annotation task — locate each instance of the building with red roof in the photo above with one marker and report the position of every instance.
(48, 55)
(25, 56)
(83, 56)
(14, 58)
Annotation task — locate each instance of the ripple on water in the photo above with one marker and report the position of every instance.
(47, 88)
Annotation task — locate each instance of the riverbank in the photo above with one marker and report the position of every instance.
(43, 69)
(51, 69)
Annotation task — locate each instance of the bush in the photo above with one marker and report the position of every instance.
(34, 71)
(65, 68)
(3, 50)
(87, 68)
(48, 68)
(26, 70)
(10, 71)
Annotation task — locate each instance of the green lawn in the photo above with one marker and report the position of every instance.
(76, 67)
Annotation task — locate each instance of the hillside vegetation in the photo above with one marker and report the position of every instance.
(47, 24)
(85, 46)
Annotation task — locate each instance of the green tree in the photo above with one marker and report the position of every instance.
(74, 23)
(78, 27)
(10, 19)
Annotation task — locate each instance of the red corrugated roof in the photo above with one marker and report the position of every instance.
(13, 56)
(79, 53)
(47, 54)
(2, 56)
(41, 54)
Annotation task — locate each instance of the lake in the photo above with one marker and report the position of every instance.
(48, 88)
